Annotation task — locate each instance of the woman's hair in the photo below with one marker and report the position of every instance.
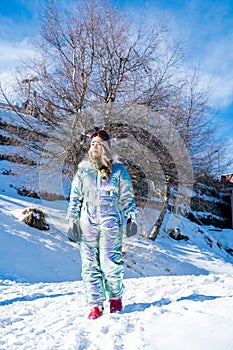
(102, 163)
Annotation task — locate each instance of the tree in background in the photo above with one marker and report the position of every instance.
(93, 67)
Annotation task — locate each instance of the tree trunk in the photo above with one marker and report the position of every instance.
(154, 233)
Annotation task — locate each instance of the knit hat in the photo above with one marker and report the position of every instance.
(102, 137)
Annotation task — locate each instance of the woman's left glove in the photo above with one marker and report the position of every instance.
(74, 231)
(131, 227)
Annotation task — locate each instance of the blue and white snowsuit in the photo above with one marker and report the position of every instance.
(101, 208)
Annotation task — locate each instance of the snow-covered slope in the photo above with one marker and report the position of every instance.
(164, 313)
(178, 294)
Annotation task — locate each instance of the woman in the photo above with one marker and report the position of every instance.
(101, 200)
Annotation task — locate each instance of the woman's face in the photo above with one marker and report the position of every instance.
(96, 149)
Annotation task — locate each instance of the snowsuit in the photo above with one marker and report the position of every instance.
(101, 208)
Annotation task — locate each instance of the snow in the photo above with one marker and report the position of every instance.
(175, 312)
(178, 294)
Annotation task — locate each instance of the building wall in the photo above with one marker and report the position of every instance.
(227, 182)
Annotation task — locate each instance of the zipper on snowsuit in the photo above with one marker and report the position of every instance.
(98, 198)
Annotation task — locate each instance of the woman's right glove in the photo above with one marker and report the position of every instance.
(74, 231)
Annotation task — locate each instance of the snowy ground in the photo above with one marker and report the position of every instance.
(178, 294)
(167, 312)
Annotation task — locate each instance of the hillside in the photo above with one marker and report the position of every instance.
(178, 293)
(209, 205)
(172, 284)
(165, 256)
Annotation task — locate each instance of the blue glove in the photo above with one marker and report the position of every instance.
(74, 231)
(131, 227)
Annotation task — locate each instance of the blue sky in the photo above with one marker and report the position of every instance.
(206, 27)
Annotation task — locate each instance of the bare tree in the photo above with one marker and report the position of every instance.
(94, 62)
(87, 60)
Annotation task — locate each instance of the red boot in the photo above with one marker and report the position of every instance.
(96, 312)
(115, 305)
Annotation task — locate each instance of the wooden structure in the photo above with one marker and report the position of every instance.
(227, 181)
